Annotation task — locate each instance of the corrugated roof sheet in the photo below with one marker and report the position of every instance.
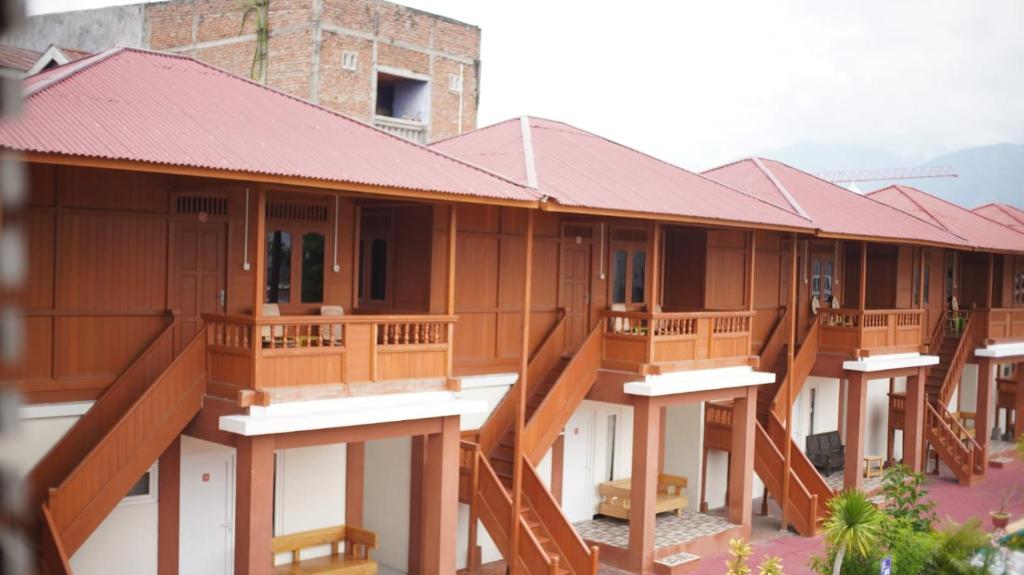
(24, 59)
(833, 209)
(135, 105)
(580, 169)
(977, 230)
(1003, 213)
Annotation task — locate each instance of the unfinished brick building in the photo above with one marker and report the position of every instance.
(407, 71)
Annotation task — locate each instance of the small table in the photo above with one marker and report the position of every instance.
(873, 465)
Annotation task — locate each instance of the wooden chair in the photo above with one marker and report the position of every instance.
(826, 451)
(332, 335)
(355, 560)
(619, 324)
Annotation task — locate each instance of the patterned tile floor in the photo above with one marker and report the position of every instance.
(669, 529)
(836, 480)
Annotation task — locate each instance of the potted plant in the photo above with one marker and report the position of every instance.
(1001, 517)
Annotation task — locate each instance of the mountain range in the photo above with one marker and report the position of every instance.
(992, 173)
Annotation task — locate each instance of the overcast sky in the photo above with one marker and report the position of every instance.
(701, 83)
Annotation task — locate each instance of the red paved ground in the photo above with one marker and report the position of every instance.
(952, 501)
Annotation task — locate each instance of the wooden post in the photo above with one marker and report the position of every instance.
(259, 281)
(703, 508)
(416, 497)
(752, 247)
(982, 412)
(856, 412)
(254, 504)
(169, 509)
(644, 486)
(355, 478)
(790, 351)
(841, 416)
(441, 503)
(913, 421)
(863, 296)
(989, 280)
(558, 467)
(524, 362)
(654, 268)
(1018, 393)
(452, 243)
(741, 476)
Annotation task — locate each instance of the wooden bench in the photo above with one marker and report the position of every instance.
(615, 496)
(355, 561)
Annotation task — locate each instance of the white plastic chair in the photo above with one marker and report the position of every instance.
(334, 334)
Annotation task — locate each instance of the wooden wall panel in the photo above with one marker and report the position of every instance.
(36, 291)
(883, 263)
(101, 347)
(411, 284)
(726, 270)
(905, 278)
(42, 180)
(439, 260)
(685, 260)
(973, 280)
(109, 261)
(37, 353)
(114, 190)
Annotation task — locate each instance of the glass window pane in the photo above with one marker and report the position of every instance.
(279, 267)
(379, 270)
(827, 274)
(639, 275)
(619, 276)
(927, 281)
(312, 268)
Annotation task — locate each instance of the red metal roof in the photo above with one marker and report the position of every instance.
(1003, 213)
(833, 209)
(18, 58)
(135, 105)
(977, 230)
(580, 169)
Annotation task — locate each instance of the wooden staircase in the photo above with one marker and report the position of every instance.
(808, 491)
(955, 446)
(556, 385)
(80, 481)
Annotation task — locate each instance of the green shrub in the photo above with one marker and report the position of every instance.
(906, 498)
(956, 546)
(737, 564)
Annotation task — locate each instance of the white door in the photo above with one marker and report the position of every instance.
(579, 490)
(207, 538)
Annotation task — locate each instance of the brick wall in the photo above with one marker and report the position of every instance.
(307, 39)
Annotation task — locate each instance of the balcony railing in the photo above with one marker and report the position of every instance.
(661, 342)
(1000, 325)
(862, 333)
(271, 353)
(407, 129)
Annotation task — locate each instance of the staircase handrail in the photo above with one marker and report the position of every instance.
(938, 333)
(957, 362)
(503, 416)
(559, 404)
(774, 459)
(95, 423)
(776, 341)
(955, 442)
(578, 557)
(802, 467)
(803, 363)
(173, 390)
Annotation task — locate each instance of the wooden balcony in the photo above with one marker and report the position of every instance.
(861, 333)
(661, 342)
(267, 359)
(1000, 325)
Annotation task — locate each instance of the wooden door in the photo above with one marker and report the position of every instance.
(574, 293)
(197, 277)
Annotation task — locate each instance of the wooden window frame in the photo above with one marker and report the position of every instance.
(631, 248)
(298, 229)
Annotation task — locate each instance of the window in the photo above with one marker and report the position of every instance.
(144, 490)
(455, 83)
(279, 267)
(312, 267)
(915, 285)
(950, 275)
(349, 60)
(822, 274)
(402, 97)
(1018, 287)
(379, 269)
(629, 275)
(927, 289)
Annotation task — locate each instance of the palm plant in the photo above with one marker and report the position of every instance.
(853, 526)
(740, 551)
(770, 566)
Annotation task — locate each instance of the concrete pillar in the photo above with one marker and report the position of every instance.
(644, 485)
(913, 421)
(741, 474)
(169, 509)
(254, 504)
(441, 499)
(982, 410)
(856, 414)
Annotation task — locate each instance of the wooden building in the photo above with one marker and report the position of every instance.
(259, 273)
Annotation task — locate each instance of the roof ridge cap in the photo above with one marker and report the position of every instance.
(74, 68)
(528, 158)
(473, 131)
(780, 187)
